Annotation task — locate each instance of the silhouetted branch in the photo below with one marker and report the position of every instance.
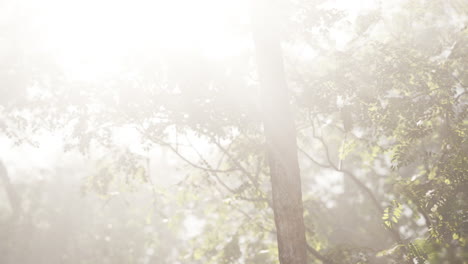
(318, 255)
(355, 179)
(460, 95)
(177, 152)
(235, 161)
(459, 81)
(313, 160)
(215, 174)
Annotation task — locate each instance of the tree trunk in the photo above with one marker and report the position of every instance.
(11, 193)
(280, 136)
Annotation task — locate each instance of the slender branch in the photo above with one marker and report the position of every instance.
(319, 256)
(248, 216)
(459, 81)
(236, 162)
(190, 162)
(223, 155)
(348, 173)
(314, 252)
(327, 152)
(355, 179)
(177, 152)
(313, 160)
(215, 174)
(460, 95)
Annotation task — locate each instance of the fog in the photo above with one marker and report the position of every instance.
(248, 131)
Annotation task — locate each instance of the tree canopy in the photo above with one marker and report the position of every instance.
(164, 152)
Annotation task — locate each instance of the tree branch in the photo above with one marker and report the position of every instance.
(355, 179)
(319, 256)
(177, 152)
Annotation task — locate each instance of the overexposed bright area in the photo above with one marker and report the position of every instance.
(91, 39)
(233, 131)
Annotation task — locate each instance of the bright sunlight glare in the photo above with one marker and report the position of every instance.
(92, 39)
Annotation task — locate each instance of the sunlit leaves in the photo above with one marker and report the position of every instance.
(392, 214)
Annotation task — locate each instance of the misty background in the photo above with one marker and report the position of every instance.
(132, 131)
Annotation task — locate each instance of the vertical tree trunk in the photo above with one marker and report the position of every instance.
(11, 193)
(8, 242)
(280, 136)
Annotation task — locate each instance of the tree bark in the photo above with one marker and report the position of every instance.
(280, 135)
(7, 248)
(11, 193)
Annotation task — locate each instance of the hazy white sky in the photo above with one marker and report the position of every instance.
(91, 40)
